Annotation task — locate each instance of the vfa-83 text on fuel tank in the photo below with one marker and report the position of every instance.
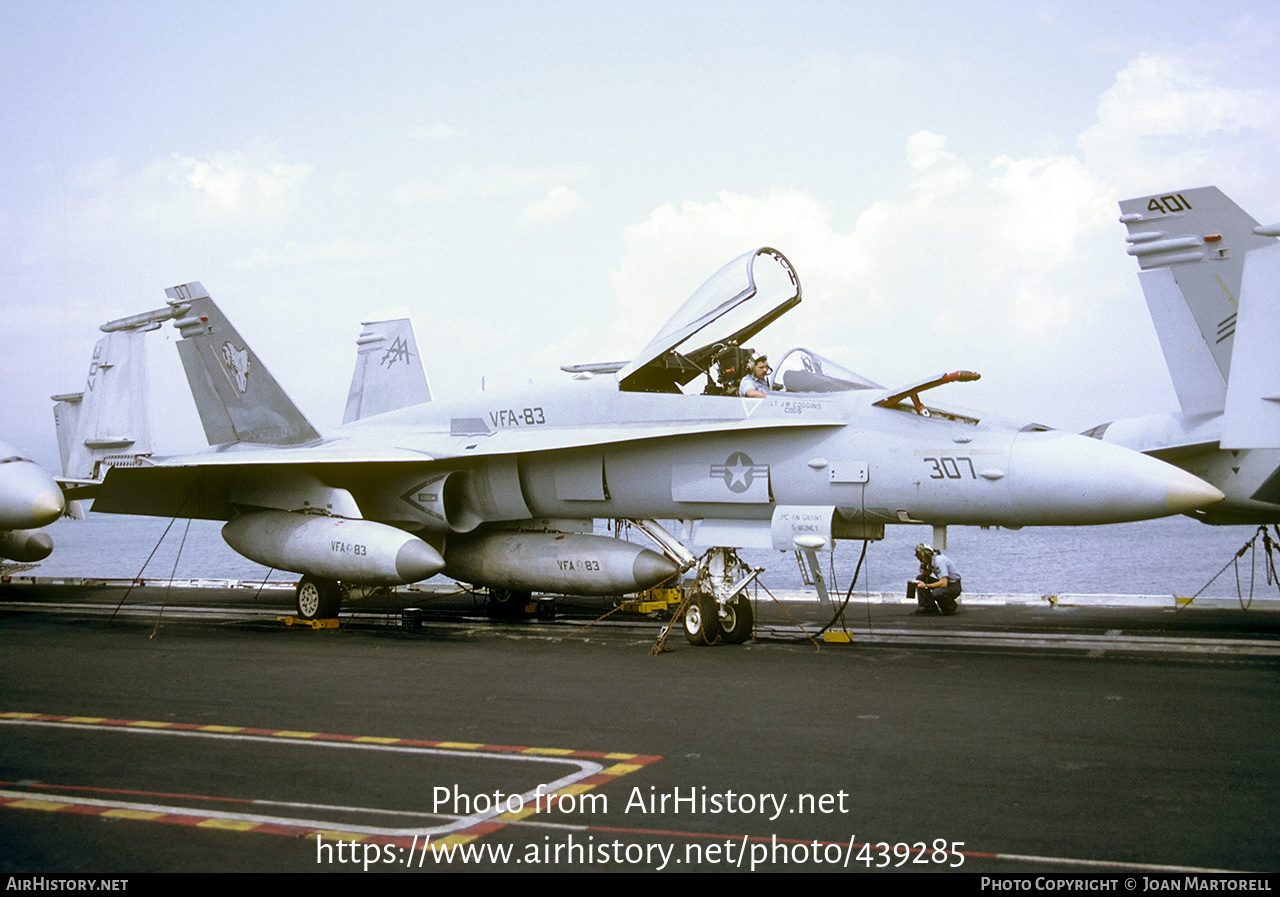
(517, 417)
(578, 566)
(337, 546)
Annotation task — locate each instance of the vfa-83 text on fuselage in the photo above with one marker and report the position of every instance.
(1211, 277)
(500, 490)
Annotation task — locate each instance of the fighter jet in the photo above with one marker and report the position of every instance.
(501, 490)
(1211, 277)
(29, 499)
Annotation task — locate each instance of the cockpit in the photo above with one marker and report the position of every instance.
(802, 370)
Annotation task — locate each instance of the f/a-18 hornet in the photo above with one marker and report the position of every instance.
(501, 489)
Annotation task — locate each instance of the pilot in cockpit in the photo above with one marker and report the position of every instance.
(755, 385)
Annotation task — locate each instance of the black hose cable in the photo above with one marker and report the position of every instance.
(849, 594)
(1234, 562)
(164, 602)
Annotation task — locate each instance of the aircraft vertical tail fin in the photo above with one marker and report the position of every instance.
(1251, 413)
(388, 374)
(109, 423)
(1191, 246)
(238, 399)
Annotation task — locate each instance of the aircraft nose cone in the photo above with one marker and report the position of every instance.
(1065, 480)
(28, 496)
(651, 568)
(47, 507)
(1188, 492)
(416, 561)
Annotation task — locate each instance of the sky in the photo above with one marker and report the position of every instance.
(543, 183)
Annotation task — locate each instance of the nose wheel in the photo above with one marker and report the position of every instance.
(719, 610)
(702, 620)
(736, 621)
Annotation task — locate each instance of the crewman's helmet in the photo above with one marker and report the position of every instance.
(924, 552)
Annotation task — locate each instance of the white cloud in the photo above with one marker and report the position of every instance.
(99, 174)
(438, 131)
(233, 184)
(338, 249)
(1168, 121)
(159, 209)
(1158, 96)
(559, 203)
(481, 183)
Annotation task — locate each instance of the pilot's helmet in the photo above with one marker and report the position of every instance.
(758, 357)
(924, 551)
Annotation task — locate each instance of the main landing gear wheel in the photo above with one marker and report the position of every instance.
(318, 599)
(736, 621)
(702, 620)
(508, 603)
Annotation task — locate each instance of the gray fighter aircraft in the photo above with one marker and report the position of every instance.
(1211, 277)
(29, 499)
(501, 490)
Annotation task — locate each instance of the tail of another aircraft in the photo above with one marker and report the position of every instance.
(1192, 247)
(238, 399)
(109, 423)
(1251, 415)
(388, 373)
(1211, 277)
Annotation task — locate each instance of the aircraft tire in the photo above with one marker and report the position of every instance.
(737, 621)
(318, 599)
(702, 620)
(507, 603)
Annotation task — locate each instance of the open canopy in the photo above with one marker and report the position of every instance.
(735, 304)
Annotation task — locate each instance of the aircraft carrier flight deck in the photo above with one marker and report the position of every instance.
(191, 729)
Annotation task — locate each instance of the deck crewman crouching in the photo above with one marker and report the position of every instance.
(939, 584)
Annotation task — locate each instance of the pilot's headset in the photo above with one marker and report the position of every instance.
(730, 361)
(924, 552)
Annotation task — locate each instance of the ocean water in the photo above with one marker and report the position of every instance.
(1173, 556)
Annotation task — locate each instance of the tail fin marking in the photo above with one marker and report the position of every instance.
(238, 399)
(388, 374)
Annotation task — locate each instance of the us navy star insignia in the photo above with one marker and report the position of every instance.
(739, 471)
